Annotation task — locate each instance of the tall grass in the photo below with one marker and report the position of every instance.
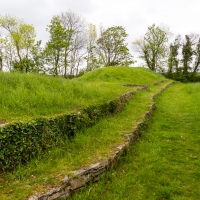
(165, 164)
(25, 96)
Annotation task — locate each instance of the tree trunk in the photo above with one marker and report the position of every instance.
(65, 64)
(17, 48)
(57, 57)
(1, 63)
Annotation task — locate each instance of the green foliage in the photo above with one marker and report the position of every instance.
(29, 96)
(187, 53)
(19, 43)
(20, 142)
(45, 93)
(57, 45)
(91, 57)
(113, 50)
(25, 65)
(152, 47)
(173, 60)
(74, 55)
(91, 145)
(184, 67)
(165, 163)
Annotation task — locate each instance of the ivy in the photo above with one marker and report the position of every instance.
(21, 141)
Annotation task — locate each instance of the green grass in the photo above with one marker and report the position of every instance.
(136, 75)
(90, 146)
(23, 96)
(165, 164)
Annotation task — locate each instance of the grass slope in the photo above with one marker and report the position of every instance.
(135, 75)
(89, 146)
(165, 164)
(25, 96)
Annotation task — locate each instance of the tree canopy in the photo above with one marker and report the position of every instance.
(112, 48)
(56, 46)
(153, 47)
(18, 43)
(184, 57)
(74, 47)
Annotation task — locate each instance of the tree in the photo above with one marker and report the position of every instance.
(1, 61)
(173, 60)
(113, 50)
(38, 57)
(12, 25)
(191, 55)
(153, 47)
(184, 57)
(74, 54)
(1, 54)
(25, 41)
(187, 53)
(21, 36)
(24, 65)
(8, 53)
(91, 56)
(197, 58)
(28, 35)
(57, 45)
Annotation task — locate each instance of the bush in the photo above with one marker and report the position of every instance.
(185, 78)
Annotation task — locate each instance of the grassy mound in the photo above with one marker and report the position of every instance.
(134, 75)
(25, 96)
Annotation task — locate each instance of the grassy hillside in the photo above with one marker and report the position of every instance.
(136, 75)
(25, 96)
(163, 165)
(91, 145)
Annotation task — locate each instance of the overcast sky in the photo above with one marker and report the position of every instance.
(182, 16)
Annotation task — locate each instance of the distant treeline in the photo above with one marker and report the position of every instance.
(73, 46)
(177, 58)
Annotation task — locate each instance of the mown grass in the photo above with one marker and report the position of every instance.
(90, 146)
(25, 96)
(165, 164)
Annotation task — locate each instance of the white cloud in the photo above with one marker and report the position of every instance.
(135, 15)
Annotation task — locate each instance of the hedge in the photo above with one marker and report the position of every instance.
(21, 141)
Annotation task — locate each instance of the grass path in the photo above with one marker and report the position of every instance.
(165, 164)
